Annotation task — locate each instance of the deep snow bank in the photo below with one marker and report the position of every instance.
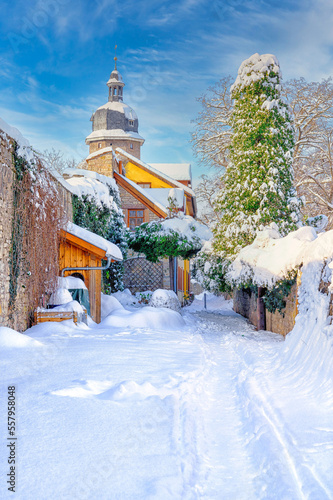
(269, 258)
(145, 317)
(307, 353)
(12, 338)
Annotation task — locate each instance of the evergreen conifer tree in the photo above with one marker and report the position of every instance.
(258, 186)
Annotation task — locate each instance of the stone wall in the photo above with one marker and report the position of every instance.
(128, 201)
(245, 303)
(284, 323)
(101, 164)
(135, 150)
(6, 207)
(20, 320)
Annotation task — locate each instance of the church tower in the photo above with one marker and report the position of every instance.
(115, 123)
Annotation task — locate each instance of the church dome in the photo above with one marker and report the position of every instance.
(115, 121)
(115, 115)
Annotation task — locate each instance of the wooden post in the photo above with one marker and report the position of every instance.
(261, 319)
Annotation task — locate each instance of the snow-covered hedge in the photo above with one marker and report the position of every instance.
(97, 207)
(258, 181)
(209, 270)
(180, 236)
(271, 258)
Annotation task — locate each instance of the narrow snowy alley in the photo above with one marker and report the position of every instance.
(174, 412)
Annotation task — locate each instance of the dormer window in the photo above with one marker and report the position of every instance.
(131, 123)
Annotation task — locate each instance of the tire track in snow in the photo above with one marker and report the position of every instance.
(229, 472)
(258, 394)
(284, 472)
(189, 424)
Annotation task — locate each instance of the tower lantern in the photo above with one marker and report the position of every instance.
(115, 123)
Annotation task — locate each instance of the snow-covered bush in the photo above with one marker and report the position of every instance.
(125, 298)
(180, 236)
(109, 303)
(97, 207)
(157, 241)
(258, 180)
(144, 297)
(209, 270)
(165, 298)
(319, 222)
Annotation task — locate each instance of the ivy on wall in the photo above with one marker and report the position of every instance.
(108, 223)
(275, 298)
(36, 221)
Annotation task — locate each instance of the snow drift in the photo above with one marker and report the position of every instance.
(145, 317)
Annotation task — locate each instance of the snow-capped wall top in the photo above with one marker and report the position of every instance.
(82, 172)
(25, 149)
(269, 258)
(254, 68)
(83, 182)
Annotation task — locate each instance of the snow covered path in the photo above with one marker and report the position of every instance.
(202, 412)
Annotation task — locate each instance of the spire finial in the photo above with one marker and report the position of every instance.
(115, 57)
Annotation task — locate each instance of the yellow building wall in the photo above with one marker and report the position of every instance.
(137, 174)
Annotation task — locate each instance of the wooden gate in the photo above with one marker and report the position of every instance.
(141, 275)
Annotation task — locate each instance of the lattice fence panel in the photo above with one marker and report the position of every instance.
(141, 275)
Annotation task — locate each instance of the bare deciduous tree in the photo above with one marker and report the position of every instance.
(315, 177)
(211, 137)
(206, 192)
(54, 160)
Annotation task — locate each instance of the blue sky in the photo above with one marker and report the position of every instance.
(56, 56)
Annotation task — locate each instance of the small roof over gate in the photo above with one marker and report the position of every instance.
(87, 240)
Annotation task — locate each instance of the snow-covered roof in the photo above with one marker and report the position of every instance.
(120, 107)
(116, 133)
(25, 148)
(92, 238)
(162, 194)
(178, 171)
(70, 172)
(146, 193)
(149, 168)
(117, 77)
